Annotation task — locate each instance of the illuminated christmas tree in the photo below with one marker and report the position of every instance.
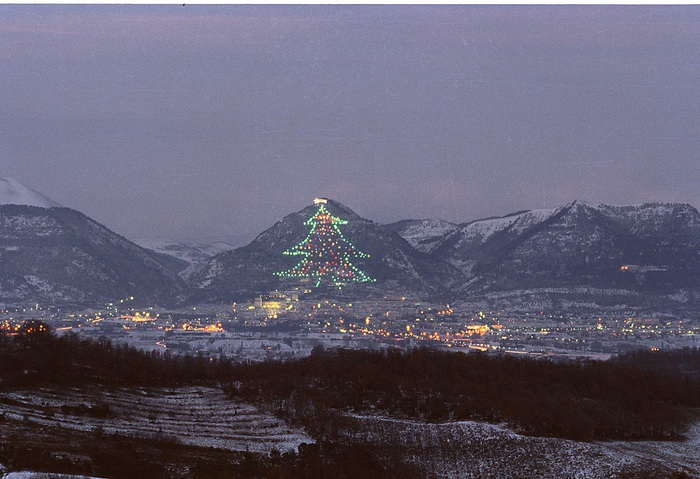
(327, 255)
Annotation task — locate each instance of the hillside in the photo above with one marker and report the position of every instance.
(423, 235)
(577, 256)
(393, 263)
(82, 406)
(188, 253)
(60, 256)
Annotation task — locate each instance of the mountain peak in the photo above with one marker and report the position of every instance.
(583, 203)
(12, 192)
(334, 207)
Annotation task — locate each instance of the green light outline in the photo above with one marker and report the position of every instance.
(357, 275)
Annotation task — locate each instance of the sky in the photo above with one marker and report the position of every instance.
(204, 122)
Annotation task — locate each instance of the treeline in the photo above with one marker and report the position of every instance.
(684, 362)
(578, 400)
(639, 395)
(36, 356)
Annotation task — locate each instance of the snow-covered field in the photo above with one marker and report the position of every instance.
(194, 416)
(468, 449)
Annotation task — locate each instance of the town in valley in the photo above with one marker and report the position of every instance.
(290, 324)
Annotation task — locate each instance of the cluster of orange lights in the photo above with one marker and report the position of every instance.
(209, 328)
(13, 329)
(139, 317)
(10, 328)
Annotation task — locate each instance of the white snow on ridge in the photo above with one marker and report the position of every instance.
(486, 228)
(12, 192)
(186, 251)
(423, 234)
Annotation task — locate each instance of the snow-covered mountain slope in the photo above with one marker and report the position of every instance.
(186, 251)
(12, 192)
(430, 236)
(654, 219)
(424, 235)
(60, 256)
(482, 230)
(571, 255)
(581, 245)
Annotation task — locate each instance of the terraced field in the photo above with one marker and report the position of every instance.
(194, 416)
(198, 423)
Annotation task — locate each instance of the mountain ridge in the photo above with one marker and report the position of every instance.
(577, 253)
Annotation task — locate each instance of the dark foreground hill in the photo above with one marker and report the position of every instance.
(373, 414)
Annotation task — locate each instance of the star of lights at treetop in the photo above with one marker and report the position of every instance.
(327, 254)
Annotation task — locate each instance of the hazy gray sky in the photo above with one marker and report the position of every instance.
(205, 121)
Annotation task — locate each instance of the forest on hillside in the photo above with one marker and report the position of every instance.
(582, 400)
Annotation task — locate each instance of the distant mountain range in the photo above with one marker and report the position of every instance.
(579, 255)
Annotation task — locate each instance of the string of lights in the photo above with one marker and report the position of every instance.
(327, 254)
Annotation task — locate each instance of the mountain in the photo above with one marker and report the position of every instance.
(56, 255)
(424, 235)
(397, 267)
(579, 253)
(188, 253)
